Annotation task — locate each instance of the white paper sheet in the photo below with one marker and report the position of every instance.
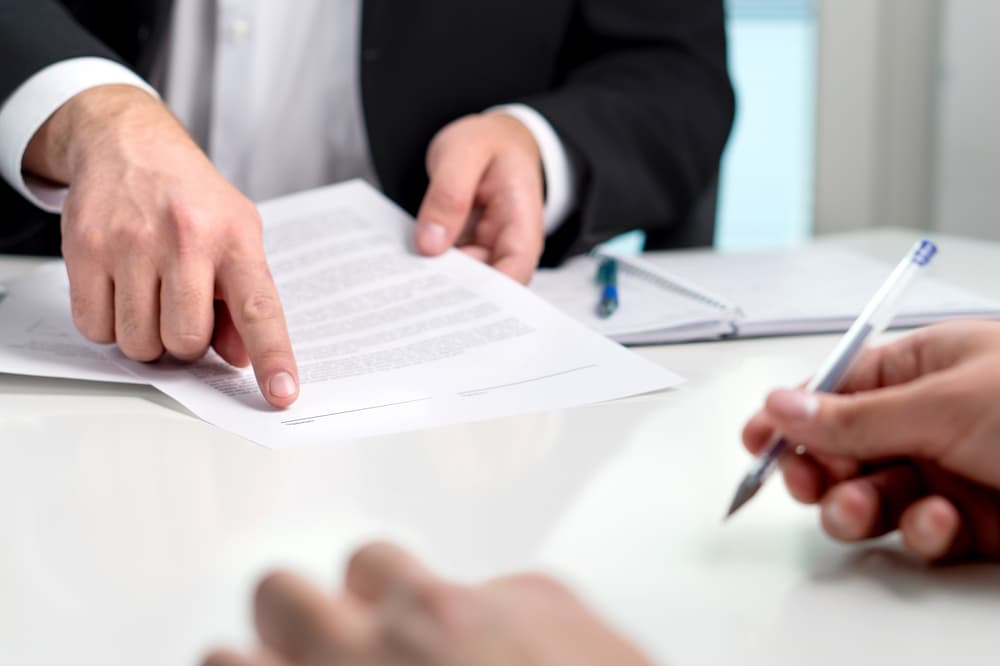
(37, 336)
(389, 341)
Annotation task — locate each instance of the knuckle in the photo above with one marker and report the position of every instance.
(136, 238)
(841, 417)
(146, 237)
(189, 292)
(186, 226)
(88, 325)
(93, 323)
(271, 587)
(260, 307)
(83, 240)
(437, 598)
(97, 331)
(136, 341)
(250, 226)
(248, 214)
(451, 133)
(187, 346)
(446, 200)
(244, 243)
(361, 559)
(242, 214)
(840, 422)
(144, 351)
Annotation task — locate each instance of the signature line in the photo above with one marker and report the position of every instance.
(525, 381)
(349, 411)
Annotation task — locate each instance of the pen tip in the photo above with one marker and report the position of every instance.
(748, 488)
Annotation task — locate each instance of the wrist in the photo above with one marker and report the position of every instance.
(559, 174)
(84, 124)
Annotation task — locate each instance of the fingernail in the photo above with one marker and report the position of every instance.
(794, 404)
(924, 526)
(282, 385)
(836, 517)
(929, 531)
(433, 236)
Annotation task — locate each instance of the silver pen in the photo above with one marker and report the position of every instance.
(874, 319)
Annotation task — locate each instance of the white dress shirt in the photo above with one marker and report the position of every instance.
(270, 90)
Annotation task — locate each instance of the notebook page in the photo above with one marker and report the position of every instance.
(813, 288)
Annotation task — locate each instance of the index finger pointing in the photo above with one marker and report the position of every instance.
(252, 299)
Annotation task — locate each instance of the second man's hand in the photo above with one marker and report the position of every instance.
(163, 254)
(486, 194)
(911, 443)
(392, 611)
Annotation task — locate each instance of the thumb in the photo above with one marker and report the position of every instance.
(903, 421)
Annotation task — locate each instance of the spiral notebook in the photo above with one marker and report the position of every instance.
(702, 295)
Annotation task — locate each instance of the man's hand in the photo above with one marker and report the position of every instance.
(486, 194)
(395, 612)
(163, 254)
(913, 446)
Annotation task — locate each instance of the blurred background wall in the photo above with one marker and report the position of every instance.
(861, 113)
(967, 141)
(766, 186)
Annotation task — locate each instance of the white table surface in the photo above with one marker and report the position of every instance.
(133, 532)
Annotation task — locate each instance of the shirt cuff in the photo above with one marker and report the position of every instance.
(560, 176)
(34, 101)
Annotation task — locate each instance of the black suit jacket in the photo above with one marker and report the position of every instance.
(637, 89)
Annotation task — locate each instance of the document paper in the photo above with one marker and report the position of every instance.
(386, 340)
(37, 335)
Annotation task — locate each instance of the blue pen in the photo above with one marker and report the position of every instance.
(874, 319)
(607, 278)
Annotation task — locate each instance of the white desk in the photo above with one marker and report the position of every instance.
(132, 532)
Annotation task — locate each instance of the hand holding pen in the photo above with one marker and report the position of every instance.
(911, 443)
(874, 319)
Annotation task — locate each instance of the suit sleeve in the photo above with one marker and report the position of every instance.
(47, 56)
(37, 33)
(645, 108)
